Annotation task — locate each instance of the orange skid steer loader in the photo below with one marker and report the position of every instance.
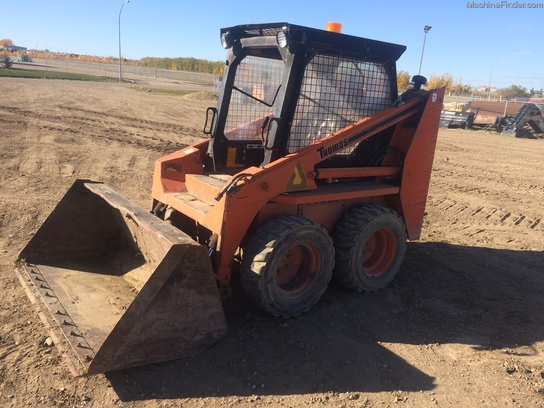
(314, 167)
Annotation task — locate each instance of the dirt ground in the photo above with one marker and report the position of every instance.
(461, 326)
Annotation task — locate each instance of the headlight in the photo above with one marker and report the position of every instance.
(226, 40)
(282, 39)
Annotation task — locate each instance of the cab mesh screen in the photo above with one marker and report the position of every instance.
(336, 92)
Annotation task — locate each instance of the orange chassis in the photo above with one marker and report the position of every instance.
(232, 206)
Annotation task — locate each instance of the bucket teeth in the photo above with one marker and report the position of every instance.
(81, 345)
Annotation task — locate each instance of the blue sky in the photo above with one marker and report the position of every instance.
(469, 43)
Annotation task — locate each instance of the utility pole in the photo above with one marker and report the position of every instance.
(120, 68)
(425, 30)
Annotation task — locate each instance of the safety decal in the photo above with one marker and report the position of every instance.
(298, 180)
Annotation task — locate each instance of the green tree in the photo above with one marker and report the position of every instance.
(184, 64)
(7, 62)
(458, 88)
(536, 92)
(514, 91)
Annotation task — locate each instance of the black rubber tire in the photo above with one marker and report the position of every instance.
(370, 243)
(287, 265)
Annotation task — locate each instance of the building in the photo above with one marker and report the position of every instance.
(13, 48)
(486, 89)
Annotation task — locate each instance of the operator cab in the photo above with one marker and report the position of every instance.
(287, 86)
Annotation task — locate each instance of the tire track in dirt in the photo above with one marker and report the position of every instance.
(455, 211)
(143, 123)
(473, 224)
(485, 191)
(142, 133)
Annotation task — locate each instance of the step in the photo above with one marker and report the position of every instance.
(206, 187)
(186, 203)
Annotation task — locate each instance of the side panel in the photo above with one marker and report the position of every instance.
(418, 165)
(169, 173)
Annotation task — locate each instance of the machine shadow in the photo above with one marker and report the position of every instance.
(484, 298)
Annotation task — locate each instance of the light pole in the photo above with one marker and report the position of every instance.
(121, 69)
(489, 82)
(425, 30)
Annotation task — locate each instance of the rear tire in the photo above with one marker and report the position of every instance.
(370, 243)
(287, 265)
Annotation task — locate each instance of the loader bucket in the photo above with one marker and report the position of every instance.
(118, 287)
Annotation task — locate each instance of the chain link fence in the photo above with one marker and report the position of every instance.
(129, 71)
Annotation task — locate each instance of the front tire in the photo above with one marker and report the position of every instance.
(370, 243)
(287, 265)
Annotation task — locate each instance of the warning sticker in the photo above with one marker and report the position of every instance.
(298, 180)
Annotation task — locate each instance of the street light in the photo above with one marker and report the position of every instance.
(425, 30)
(489, 82)
(120, 69)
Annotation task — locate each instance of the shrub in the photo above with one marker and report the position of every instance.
(7, 62)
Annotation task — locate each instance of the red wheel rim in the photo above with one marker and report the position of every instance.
(296, 269)
(379, 253)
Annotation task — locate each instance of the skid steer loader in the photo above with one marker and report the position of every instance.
(314, 167)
